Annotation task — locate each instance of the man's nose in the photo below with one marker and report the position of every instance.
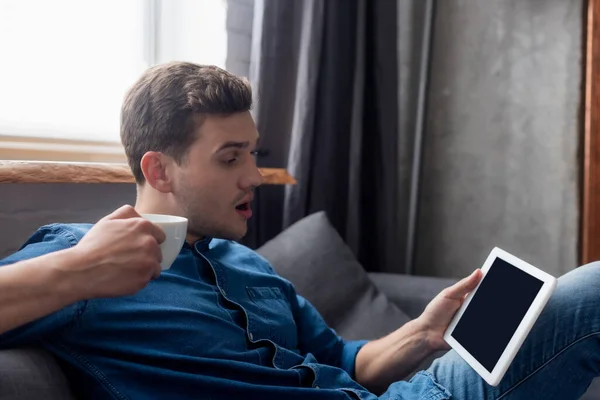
(257, 178)
(253, 179)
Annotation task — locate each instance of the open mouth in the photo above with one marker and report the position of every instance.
(244, 210)
(243, 207)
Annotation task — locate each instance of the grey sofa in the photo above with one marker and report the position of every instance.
(311, 255)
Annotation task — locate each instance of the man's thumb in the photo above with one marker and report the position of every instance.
(123, 212)
(465, 285)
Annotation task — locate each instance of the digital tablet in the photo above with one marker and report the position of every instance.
(495, 318)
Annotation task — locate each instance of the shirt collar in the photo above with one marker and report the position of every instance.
(201, 245)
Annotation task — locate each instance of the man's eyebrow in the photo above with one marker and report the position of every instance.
(234, 145)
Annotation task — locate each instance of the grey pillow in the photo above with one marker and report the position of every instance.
(313, 256)
(29, 373)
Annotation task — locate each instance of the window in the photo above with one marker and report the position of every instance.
(66, 64)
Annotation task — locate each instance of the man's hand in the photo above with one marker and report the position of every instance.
(440, 311)
(117, 257)
(391, 358)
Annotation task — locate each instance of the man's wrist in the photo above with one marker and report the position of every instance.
(63, 275)
(421, 334)
(432, 341)
(391, 358)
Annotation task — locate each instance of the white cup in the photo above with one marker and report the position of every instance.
(175, 229)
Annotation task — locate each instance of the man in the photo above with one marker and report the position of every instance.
(220, 323)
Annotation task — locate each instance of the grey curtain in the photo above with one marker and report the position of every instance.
(335, 83)
(325, 76)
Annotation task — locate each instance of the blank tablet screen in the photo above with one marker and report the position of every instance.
(495, 312)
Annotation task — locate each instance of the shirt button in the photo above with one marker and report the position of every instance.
(251, 336)
(316, 387)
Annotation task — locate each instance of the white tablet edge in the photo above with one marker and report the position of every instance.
(494, 377)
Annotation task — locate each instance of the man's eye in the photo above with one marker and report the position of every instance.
(254, 153)
(231, 161)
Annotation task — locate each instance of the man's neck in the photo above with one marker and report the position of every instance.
(191, 239)
(149, 201)
(154, 203)
(158, 203)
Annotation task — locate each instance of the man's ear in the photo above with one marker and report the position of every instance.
(158, 170)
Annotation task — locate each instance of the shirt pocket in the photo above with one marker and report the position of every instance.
(273, 318)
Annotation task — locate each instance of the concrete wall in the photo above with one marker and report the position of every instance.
(501, 153)
(25, 207)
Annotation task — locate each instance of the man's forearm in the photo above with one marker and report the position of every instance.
(34, 288)
(384, 361)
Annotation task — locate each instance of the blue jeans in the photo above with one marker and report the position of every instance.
(559, 358)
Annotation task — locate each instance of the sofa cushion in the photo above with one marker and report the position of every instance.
(30, 373)
(313, 256)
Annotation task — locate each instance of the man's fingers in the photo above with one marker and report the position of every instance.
(156, 272)
(157, 232)
(464, 286)
(127, 212)
(123, 212)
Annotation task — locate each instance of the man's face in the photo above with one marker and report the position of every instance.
(213, 187)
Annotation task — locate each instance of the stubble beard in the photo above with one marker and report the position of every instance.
(201, 226)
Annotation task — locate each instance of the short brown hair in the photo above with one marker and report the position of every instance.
(158, 110)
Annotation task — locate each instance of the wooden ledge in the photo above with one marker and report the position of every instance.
(68, 172)
(590, 215)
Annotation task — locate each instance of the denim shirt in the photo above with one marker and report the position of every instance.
(219, 324)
